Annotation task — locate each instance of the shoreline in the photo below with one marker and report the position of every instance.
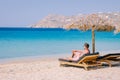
(43, 57)
(30, 58)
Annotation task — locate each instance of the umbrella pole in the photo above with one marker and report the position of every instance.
(93, 39)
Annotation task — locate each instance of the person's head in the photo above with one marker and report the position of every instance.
(86, 45)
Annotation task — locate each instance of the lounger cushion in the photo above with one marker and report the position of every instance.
(61, 59)
(108, 55)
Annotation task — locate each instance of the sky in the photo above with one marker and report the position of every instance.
(22, 13)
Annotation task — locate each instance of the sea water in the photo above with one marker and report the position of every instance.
(28, 42)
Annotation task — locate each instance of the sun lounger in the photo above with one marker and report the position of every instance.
(109, 58)
(87, 60)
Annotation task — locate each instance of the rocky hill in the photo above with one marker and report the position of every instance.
(58, 21)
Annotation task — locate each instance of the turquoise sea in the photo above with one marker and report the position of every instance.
(29, 42)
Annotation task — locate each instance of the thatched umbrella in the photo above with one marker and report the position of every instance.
(93, 22)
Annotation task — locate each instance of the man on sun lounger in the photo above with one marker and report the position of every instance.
(76, 54)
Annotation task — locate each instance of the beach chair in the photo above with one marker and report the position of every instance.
(109, 58)
(87, 60)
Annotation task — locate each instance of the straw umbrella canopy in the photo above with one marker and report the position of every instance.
(93, 22)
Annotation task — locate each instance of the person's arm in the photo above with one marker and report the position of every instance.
(80, 51)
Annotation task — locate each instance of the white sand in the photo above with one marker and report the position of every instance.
(49, 69)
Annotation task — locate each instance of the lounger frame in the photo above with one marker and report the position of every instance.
(86, 61)
(109, 58)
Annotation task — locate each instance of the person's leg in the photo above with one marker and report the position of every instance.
(73, 53)
(68, 58)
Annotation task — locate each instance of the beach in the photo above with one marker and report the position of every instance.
(50, 69)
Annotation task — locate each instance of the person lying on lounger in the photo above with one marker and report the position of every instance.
(76, 54)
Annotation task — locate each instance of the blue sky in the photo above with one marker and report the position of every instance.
(21, 13)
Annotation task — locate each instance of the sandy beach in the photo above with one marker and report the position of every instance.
(49, 69)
